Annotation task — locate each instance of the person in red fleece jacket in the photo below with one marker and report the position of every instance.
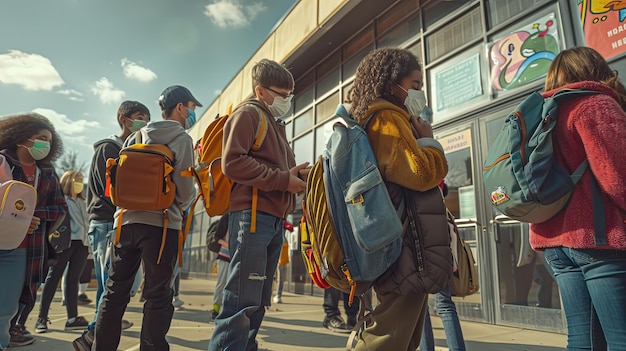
(591, 277)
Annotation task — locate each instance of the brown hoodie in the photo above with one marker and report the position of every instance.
(267, 169)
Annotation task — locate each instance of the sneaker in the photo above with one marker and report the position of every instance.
(23, 330)
(336, 324)
(78, 323)
(62, 302)
(126, 324)
(42, 325)
(83, 300)
(83, 343)
(177, 303)
(277, 299)
(19, 339)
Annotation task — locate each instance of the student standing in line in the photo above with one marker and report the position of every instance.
(131, 116)
(143, 237)
(388, 83)
(273, 172)
(28, 145)
(74, 257)
(589, 265)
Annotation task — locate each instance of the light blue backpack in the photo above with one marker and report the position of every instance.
(352, 232)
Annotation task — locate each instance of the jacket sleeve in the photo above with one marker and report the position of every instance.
(600, 124)
(183, 152)
(98, 170)
(414, 164)
(238, 164)
(55, 206)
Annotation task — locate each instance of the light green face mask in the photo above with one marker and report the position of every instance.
(137, 124)
(39, 150)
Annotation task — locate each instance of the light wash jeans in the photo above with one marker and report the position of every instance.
(100, 233)
(588, 280)
(446, 309)
(249, 285)
(13, 275)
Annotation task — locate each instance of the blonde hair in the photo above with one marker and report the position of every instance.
(67, 183)
(582, 63)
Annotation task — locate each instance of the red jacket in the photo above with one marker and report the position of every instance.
(592, 127)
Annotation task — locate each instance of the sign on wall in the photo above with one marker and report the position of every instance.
(525, 54)
(457, 83)
(604, 25)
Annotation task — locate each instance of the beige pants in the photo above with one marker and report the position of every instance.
(397, 324)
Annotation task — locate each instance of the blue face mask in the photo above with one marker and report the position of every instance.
(191, 119)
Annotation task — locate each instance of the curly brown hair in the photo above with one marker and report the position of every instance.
(582, 63)
(17, 128)
(376, 73)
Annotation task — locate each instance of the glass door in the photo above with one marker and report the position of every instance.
(460, 145)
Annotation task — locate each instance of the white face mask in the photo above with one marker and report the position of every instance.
(415, 101)
(280, 106)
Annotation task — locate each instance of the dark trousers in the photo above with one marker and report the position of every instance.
(85, 276)
(76, 256)
(331, 304)
(137, 242)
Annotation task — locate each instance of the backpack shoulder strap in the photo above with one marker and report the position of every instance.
(261, 131)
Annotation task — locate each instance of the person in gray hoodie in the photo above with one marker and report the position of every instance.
(131, 116)
(141, 235)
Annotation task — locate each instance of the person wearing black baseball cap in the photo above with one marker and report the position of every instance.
(177, 101)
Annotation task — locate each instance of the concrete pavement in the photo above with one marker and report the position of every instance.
(294, 325)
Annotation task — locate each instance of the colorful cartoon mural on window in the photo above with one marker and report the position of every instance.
(604, 26)
(525, 54)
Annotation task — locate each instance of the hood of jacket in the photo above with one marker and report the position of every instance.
(161, 132)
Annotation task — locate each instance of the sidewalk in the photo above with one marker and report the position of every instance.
(295, 325)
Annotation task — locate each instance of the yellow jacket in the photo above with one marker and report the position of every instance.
(414, 164)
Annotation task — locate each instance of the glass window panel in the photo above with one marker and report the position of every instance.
(395, 15)
(402, 32)
(328, 83)
(361, 41)
(346, 90)
(453, 35)
(416, 49)
(303, 122)
(303, 148)
(501, 10)
(304, 92)
(437, 10)
(349, 67)
(461, 197)
(326, 108)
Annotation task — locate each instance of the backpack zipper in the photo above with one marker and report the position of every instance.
(523, 130)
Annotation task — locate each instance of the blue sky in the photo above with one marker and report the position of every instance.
(74, 61)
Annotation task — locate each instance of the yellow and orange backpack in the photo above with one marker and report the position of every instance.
(214, 187)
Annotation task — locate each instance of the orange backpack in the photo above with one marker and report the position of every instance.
(141, 179)
(214, 187)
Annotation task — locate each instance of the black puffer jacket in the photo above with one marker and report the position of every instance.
(427, 268)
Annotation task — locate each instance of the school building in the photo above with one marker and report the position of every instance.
(480, 58)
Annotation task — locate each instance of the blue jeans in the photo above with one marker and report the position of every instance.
(99, 236)
(249, 285)
(591, 280)
(446, 309)
(12, 276)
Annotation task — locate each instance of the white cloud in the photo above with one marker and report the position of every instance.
(133, 71)
(70, 129)
(31, 71)
(229, 13)
(107, 94)
(73, 95)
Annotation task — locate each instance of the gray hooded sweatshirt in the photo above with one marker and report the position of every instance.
(172, 134)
